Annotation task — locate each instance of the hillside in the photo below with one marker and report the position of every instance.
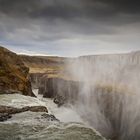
(13, 74)
(44, 64)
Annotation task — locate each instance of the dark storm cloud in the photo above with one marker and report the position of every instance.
(126, 6)
(55, 23)
(68, 9)
(36, 8)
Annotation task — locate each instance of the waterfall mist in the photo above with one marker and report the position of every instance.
(108, 95)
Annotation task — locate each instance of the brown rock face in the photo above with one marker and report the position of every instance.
(12, 110)
(13, 74)
(35, 109)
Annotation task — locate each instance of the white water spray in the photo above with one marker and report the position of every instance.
(109, 98)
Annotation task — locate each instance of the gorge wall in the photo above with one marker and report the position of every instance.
(13, 74)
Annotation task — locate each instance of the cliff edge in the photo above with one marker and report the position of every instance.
(13, 74)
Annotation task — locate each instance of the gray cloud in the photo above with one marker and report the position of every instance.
(59, 26)
(69, 9)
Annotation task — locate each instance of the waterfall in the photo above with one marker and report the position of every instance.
(108, 99)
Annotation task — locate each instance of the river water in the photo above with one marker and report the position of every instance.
(31, 126)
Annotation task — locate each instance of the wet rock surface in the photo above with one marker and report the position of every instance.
(4, 117)
(54, 132)
(49, 117)
(7, 111)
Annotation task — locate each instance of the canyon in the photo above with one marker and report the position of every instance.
(100, 87)
(103, 90)
(21, 108)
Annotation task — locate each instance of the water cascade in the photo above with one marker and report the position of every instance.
(108, 98)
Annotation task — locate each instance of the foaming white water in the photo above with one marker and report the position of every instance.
(64, 114)
(31, 125)
(109, 93)
(16, 100)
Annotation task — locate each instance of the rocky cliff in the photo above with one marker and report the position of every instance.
(13, 74)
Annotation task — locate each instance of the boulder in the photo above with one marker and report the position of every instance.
(49, 117)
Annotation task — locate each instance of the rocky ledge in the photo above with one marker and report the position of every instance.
(6, 112)
(13, 74)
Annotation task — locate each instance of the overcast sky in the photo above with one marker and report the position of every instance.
(70, 27)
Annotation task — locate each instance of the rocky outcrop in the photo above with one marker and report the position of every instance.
(13, 74)
(4, 116)
(49, 117)
(7, 111)
(13, 110)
